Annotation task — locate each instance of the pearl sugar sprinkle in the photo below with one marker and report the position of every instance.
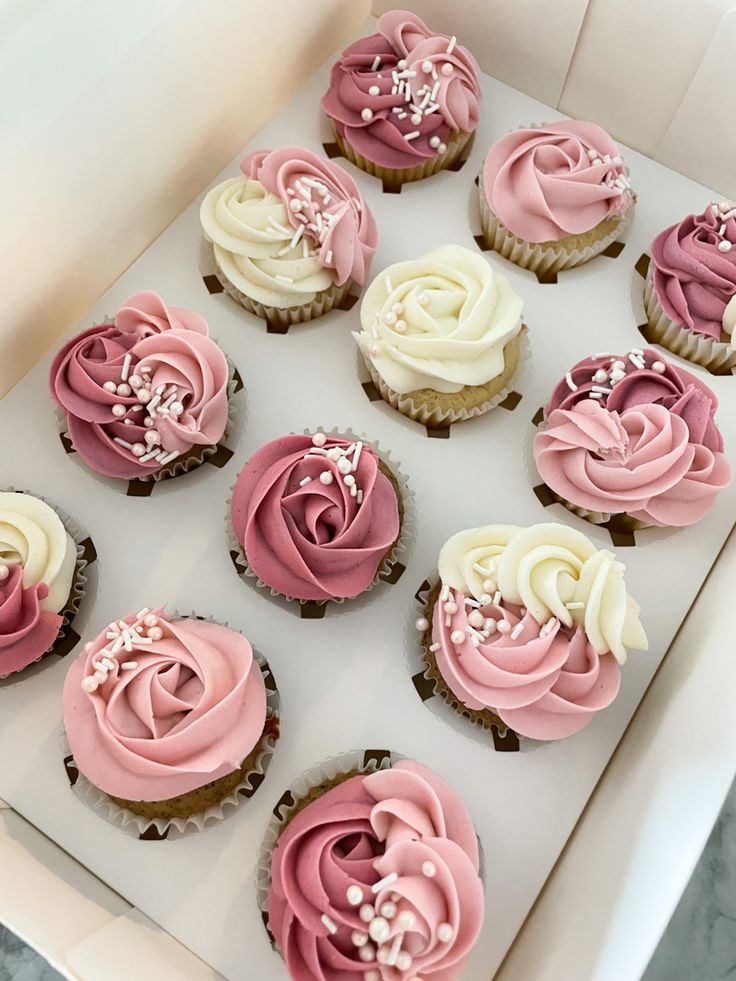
(122, 637)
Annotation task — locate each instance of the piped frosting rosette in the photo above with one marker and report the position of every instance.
(319, 517)
(167, 720)
(41, 580)
(554, 196)
(441, 335)
(373, 874)
(404, 101)
(145, 395)
(290, 235)
(632, 436)
(690, 290)
(528, 626)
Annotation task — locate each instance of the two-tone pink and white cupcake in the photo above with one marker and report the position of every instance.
(291, 235)
(527, 628)
(403, 102)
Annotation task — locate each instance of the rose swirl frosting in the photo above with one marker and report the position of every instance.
(532, 623)
(556, 180)
(633, 434)
(694, 271)
(315, 516)
(378, 879)
(142, 390)
(156, 707)
(399, 95)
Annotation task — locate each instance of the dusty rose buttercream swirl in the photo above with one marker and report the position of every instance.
(183, 707)
(397, 846)
(303, 530)
(26, 630)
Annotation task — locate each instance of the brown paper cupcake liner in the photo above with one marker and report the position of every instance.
(548, 258)
(281, 318)
(437, 411)
(717, 356)
(67, 638)
(393, 563)
(394, 179)
(481, 725)
(214, 801)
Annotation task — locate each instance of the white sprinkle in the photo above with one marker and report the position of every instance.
(168, 457)
(148, 456)
(123, 442)
(637, 362)
(395, 948)
(376, 63)
(126, 367)
(141, 613)
(603, 354)
(517, 630)
(434, 647)
(283, 279)
(602, 389)
(356, 456)
(595, 395)
(659, 367)
(359, 497)
(724, 246)
(570, 383)
(388, 284)
(435, 90)
(328, 923)
(384, 882)
(451, 45)
(129, 666)
(305, 481)
(575, 606)
(497, 597)
(411, 136)
(430, 109)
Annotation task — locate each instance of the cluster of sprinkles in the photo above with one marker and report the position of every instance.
(616, 179)
(161, 401)
(391, 317)
(308, 200)
(420, 100)
(722, 212)
(122, 638)
(607, 376)
(375, 943)
(346, 460)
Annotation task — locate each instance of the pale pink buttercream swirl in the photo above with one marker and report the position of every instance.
(338, 222)
(404, 823)
(308, 539)
(164, 348)
(647, 445)
(189, 710)
(26, 631)
(553, 181)
(367, 76)
(545, 683)
(695, 280)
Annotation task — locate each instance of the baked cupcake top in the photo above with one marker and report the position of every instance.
(694, 271)
(400, 94)
(292, 224)
(559, 179)
(315, 515)
(439, 322)
(142, 390)
(533, 624)
(378, 878)
(633, 434)
(156, 706)
(37, 561)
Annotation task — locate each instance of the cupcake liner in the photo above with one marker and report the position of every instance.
(442, 417)
(281, 318)
(547, 258)
(392, 565)
(717, 356)
(67, 638)
(218, 454)
(394, 179)
(481, 726)
(155, 829)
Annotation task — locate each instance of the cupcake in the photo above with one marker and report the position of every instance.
(168, 717)
(441, 336)
(632, 437)
(690, 289)
(291, 235)
(375, 875)
(41, 580)
(404, 102)
(317, 517)
(528, 627)
(554, 196)
(145, 395)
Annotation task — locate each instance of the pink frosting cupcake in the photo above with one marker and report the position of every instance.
(403, 102)
(375, 876)
(690, 290)
(554, 196)
(145, 395)
(167, 717)
(291, 236)
(316, 517)
(527, 628)
(632, 437)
